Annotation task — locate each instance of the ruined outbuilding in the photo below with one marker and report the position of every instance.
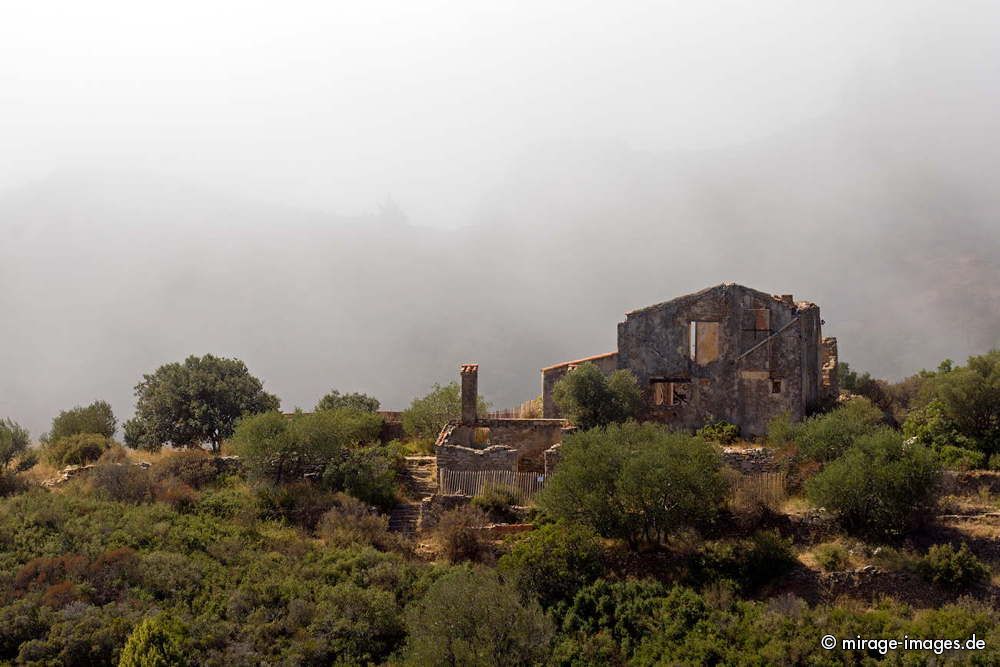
(726, 352)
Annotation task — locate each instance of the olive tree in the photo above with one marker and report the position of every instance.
(195, 402)
(589, 398)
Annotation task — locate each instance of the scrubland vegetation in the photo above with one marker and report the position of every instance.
(639, 555)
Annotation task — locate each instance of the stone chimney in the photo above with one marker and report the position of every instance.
(470, 393)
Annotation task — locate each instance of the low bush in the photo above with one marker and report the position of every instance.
(881, 487)
(496, 500)
(459, 535)
(196, 468)
(720, 432)
(123, 482)
(11, 483)
(960, 458)
(470, 617)
(552, 563)
(177, 493)
(994, 462)
(367, 473)
(831, 556)
(77, 449)
(352, 522)
(301, 504)
(827, 436)
(954, 568)
(749, 563)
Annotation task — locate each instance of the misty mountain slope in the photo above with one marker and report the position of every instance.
(312, 302)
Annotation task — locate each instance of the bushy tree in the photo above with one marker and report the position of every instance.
(469, 617)
(156, 641)
(588, 398)
(76, 449)
(880, 486)
(425, 416)
(195, 402)
(351, 401)
(94, 418)
(639, 482)
(967, 399)
(827, 436)
(554, 562)
(284, 448)
(14, 442)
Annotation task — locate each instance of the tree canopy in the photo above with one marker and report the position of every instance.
(14, 441)
(195, 402)
(639, 482)
(94, 418)
(588, 398)
(352, 401)
(426, 415)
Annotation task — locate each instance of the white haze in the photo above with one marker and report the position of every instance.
(363, 195)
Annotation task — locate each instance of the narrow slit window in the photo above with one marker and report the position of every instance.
(775, 386)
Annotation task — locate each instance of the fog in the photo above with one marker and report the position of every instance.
(362, 196)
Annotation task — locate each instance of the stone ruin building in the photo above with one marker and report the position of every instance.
(727, 352)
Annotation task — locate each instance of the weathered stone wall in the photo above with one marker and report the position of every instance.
(830, 380)
(751, 461)
(457, 457)
(527, 438)
(767, 358)
(432, 507)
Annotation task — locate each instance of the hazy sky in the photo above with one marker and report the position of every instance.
(337, 105)
(189, 177)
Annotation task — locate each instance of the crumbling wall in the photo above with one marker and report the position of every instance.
(763, 360)
(830, 380)
(457, 457)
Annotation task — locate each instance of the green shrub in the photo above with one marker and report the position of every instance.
(496, 500)
(94, 418)
(352, 401)
(367, 473)
(553, 562)
(720, 432)
(638, 482)
(78, 449)
(426, 415)
(352, 522)
(994, 462)
(155, 642)
(781, 431)
(14, 442)
(831, 556)
(11, 483)
(471, 618)
(458, 532)
(194, 467)
(281, 449)
(749, 563)
(177, 493)
(880, 487)
(959, 458)
(827, 436)
(300, 503)
(589, 398)
(946, 566)
(966, 401)
(121, 481)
